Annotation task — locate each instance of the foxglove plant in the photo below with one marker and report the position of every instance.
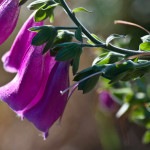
(42, 57)
(34, 93)
(9, 13)
(30, 64)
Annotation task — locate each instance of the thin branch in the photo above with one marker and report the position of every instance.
(93, 39)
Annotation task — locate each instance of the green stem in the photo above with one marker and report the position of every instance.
(66, 28)
(93, 39)
(89, 45)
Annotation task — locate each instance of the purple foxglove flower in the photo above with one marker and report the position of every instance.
(44, 110)
(34, 93)
(9, 13)
(106, 100)
(13, 58)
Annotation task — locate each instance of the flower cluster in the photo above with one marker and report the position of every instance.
(34, 93)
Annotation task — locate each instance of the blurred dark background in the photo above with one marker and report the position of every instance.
(84, 126)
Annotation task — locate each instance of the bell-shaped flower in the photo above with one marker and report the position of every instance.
(34, 93)
(49, 104)
(9, 13)
(13, 58)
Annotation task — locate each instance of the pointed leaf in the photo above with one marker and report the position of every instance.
(50, 42)
(40, 15)
(76, 61)
(113, 36)
(66, 53)
(41, 37)
(51, 17)
(51, 6)
(78, 34)
(38, 28)
(80, 9)
(145, 46)
(88, 84)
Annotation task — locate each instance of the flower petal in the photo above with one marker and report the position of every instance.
(23, 88)
(9, 13)
(51, 106)
(13, 58)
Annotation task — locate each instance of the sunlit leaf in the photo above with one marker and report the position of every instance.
(80, 9)
(145, 46)
(113, 36)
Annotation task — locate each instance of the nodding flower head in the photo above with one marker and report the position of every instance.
(9, 13)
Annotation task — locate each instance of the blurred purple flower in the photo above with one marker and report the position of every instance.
(9, 13)
(13, 58)
(106, 100)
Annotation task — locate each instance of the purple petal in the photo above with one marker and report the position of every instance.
(9, 13)
(13, 58)
(1, 1)
(51, 106)
(106, 100)
(23, 88)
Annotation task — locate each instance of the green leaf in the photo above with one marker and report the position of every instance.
(38, 28)
(50, 6)
(80, 75)
(42, 36)
(62, 37)
(145, 46)
(118, 77)
(145, 38)
(45, 11)
(113, 36)
(113, 70)
(80, 9)
(76, 60)
(107, 58)
(146, 137)
(87, 85)
(78, 34)
(40, 15)
(36, 4)
(90, 83)
(50, 41)
(67, 52)
(51, 17)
